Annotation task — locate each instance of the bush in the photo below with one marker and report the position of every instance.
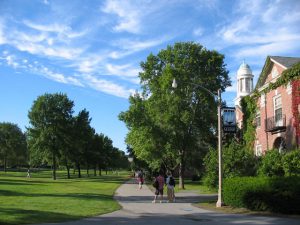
(281, 194)
(211, 168)
(237, 161)
(291, 163)
(271, 164)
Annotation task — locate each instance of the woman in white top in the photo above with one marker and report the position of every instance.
(170, 187)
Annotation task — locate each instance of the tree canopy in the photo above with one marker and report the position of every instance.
(167, 125)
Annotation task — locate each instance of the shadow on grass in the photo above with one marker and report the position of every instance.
(21, 216)
(84, 196)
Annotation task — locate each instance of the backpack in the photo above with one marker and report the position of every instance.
(172, 181)
(155, 184)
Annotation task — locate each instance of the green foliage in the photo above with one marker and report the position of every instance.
(237, 161)
(271, 164)
(166, 125)
(291, 163)
(211, 168)
(249, 109)
(50, 120)
(13, 146)
(263, 194)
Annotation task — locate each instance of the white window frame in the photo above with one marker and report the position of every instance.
(258, 150)
(258, 115)
(278, 122)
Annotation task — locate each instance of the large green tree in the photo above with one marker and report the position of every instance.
(50, 117)
(82, 139)
(166, 125)
(13, 146)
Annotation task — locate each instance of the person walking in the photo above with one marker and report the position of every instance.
(141, 179)
(170, 182)
(159, 182)
(28, 173)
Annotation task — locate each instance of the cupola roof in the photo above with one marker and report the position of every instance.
(244, 70)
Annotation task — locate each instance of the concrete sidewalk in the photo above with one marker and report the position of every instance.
(138, 209)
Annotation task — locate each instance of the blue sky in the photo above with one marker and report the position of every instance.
(91, 50)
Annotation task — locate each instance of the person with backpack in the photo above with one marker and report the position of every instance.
(159, 182)
(170, 182)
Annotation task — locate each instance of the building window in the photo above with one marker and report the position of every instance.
(241, 84)
(258, 119)
(247, 85)
(278, 111)
(258, 150)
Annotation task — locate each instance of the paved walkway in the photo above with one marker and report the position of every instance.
(138, 209)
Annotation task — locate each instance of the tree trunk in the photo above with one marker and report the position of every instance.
(88, 170)
(95, 170)
(68, 169)
(78, 168)
(74, 170)
(99, 167)
(5, 164)
(106, 171)
(181, 171)
(53, 166)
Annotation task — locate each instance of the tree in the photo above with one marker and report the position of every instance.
(166, 125)
(83, 135)
(50, 117)
(13, 146)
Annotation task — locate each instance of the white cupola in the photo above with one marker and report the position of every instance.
(244, 82)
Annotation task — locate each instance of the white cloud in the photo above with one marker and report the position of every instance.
(129, 16)
(10, 60)
(122, 70)
(107, 86)
(2, 38)
(59, 77)
(39, 49)
(198, 31)
(57, 28)
(275, 48)
(129, 47)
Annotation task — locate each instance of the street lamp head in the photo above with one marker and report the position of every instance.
(174, 84)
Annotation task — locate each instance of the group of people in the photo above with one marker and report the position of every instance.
(159, 182)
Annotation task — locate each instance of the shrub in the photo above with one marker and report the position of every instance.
(211, 168)
(291, 163)
(281, 194)
(237, 161)
(271, 164)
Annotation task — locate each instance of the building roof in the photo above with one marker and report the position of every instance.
(244, 70)
(287, 62)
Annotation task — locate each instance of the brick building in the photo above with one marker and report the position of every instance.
(275, 116)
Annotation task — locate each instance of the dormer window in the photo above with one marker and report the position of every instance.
(274, 72)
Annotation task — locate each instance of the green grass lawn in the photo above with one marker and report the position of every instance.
(40, 199)
(196, 186)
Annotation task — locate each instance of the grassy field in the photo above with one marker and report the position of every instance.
(40, 199)
(196, 186)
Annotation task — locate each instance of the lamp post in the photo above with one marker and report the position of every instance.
(218, 96)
